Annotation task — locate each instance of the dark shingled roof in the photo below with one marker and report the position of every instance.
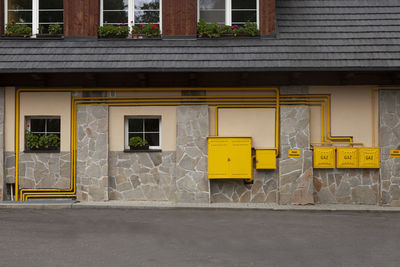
(311, 35)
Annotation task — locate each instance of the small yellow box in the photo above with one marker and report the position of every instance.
(370, 157)
(294, 153)
(395, 153)
(324, 157)
(347, 157)
(265, 159)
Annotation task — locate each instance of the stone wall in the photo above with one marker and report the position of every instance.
(191, 154)
(142, 176)
(40, 170)
(346, 186)
(389, 139)
(263, 190)
(92, 163)
(295, 174)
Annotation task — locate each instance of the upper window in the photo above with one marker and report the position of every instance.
(37, 14)
(130, 12)
(147, 128)
(229, 12)
(42, 133)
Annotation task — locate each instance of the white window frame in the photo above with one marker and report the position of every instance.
(228, 12)
(35, 15)
(142, 117)
(28, 121)
(131, 13)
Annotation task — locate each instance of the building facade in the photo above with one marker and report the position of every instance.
(306, 112)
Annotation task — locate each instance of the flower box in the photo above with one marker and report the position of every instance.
(144, 147)
(49, 36)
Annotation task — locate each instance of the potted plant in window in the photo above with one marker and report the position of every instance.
(137, 143)
(114, 31)
(151, 30)
(49, 142)
(31, 140)
(18, 30)
(137, 31)
(55, 31)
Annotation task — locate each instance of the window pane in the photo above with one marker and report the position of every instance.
(37, 125)
(212, 4)
(135, 125)
(151, 125)
(50, 16)
(147, 4)
(20, 16)
(115, 16)
(51, 4)
(19, 4)
(115, 5)
(239, 17)
(247, 4)
(147, 16)
(153, 139)
(53, 125)
(213, 16)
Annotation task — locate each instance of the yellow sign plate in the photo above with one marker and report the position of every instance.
(395, 153)
(294, 153)
(324, 157)
(347, 157)
(265, 159)
(369, 157)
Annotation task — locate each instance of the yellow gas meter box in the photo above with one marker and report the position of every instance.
(229, 158)
(324, 157)
(265, 159)
(370, 157)
(347, 157)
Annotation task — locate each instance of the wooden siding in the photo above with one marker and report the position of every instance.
(267, 17)
(1, 17)
(81, 17)
(179, 17)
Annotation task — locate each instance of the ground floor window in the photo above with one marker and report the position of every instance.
(42, 133)
(142, 131)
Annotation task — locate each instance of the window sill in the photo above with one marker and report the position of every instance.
(142, 151)
(42, 151)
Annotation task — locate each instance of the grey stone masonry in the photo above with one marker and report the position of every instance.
(2, 180)
(389, 139)
(142, 176)
(40, 170)
(192, 154)
(92, 163)
(263, 190)
(346, 186)
(295, 174)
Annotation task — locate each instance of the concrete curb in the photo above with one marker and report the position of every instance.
(168, 205)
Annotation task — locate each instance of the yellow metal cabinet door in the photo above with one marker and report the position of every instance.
(218, 150)
(240, 158)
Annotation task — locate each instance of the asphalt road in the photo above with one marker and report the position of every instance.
(116, 237)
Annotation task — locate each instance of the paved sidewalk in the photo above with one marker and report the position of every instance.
(54, 204)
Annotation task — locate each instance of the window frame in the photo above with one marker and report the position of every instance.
(126, 131)
(35, 15)
(131, 14)
(228, 12)
(28, 122)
